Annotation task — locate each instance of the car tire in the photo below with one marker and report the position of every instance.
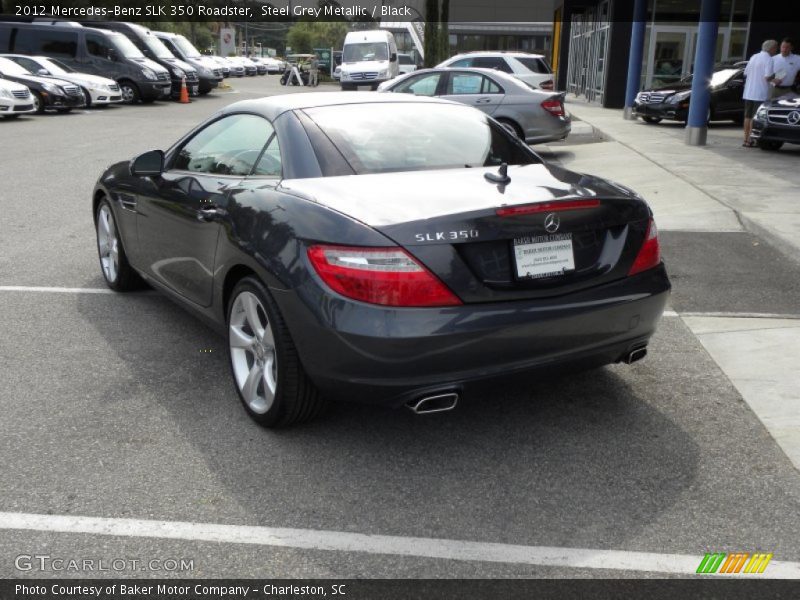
(130, 92)
(513, 127)
(87, 97)
(63, 111)
(38, 103)
(651, 120)
(265, 366)
(114, 265)
(348, 87)
(769, 145)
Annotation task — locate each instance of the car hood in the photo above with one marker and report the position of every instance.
(37, 79)
(672, 88)
(180, 64)
(84, 79)
(790, 100)
(391, 198)
(11, 86)
(150, 64)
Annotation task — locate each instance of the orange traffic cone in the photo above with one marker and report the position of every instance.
(184, 99)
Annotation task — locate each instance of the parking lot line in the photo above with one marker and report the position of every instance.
(341, 541)
(62, 290)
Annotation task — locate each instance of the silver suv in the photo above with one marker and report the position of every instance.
(530, 68)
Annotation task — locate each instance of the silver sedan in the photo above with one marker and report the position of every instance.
(534, 115)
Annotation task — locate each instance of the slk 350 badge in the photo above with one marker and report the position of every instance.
(442, 236)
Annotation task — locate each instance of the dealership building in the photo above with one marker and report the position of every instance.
(593, 40)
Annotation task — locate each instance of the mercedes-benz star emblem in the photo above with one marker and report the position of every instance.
(551, 223)
(794, 117)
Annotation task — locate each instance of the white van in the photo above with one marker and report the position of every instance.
(368, 58)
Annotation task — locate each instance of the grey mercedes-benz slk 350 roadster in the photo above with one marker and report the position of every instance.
(381, 248)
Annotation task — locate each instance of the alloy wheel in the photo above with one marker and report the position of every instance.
(253, 355)
(128, 94)
(108, 244)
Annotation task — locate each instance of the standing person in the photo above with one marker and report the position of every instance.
(756, 87)
(785, 67)
(313, 75)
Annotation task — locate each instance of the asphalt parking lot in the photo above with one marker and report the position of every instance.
(121, 407)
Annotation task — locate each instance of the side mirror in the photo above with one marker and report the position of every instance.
(148, 164)
(112, 54)
(43, 72)
(393, 57)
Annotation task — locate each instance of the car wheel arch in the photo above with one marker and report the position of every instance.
(234, 275)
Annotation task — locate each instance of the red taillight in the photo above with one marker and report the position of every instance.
(388, 276)
(554, 106)
(529, 209)
(547, 85)
(650, 253)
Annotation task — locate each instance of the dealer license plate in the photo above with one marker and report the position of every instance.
(544, 255)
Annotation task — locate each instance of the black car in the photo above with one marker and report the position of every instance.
(48, 92)
(777, 122)
(672, 102)
(384, 248)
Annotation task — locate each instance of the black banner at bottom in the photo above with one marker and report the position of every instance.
(368, 589)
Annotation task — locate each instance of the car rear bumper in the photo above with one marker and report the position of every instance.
(388, 356)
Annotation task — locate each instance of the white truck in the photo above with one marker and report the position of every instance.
(368, 58)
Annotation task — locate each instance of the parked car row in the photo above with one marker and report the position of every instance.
(106, 61)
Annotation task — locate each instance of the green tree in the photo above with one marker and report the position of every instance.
(304, 36)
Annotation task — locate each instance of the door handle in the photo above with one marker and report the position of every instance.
(483, 101)
(210, 214)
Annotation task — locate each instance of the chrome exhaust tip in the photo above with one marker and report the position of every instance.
(433, 404)
(635, 354)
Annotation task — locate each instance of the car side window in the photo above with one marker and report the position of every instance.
(27, 63)
(490, 87)
(421, 85)
(270, 165)
(464, 83)
(492, 62)
(471, 83)
(98, 46)
(229, 146)
(461, 63)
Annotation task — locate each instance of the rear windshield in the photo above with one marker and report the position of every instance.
(388, 137)
(537, 65)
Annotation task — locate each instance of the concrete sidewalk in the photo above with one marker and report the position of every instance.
(720, 187)
(717, 187)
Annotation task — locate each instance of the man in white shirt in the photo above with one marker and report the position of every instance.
(784, 67)
(758, 72)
